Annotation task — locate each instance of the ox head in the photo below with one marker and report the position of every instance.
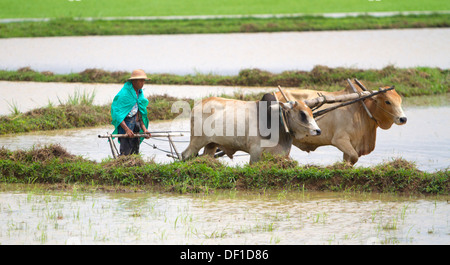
(386, 108)
(299, 119)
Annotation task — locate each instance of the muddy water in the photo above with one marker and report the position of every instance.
(32, 217)
(30, 95)
(425, 139)
(229, 53)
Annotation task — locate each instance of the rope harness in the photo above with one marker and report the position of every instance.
(365, 89)
(378, 106)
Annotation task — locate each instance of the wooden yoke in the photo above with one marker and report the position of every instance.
(348, 98)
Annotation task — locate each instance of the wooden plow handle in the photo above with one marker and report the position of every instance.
(141, 135)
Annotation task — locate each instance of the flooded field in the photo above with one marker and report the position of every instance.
(425, 139)
(31, 215)
(34, 217)
(227, 54)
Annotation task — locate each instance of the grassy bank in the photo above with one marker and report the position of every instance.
(54, 165)
(76, 115)
(408, 81)
(53, 118)
(73, 27)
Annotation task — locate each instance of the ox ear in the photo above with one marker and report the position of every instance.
(287, 106)
(294, 103)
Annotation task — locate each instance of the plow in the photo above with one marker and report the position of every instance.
(167, 134)
(314, 104)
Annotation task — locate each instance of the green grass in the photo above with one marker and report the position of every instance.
(54, 165)
(72, 27)
(119, 8)
(429, 101)
(55, 118)
(408, 81)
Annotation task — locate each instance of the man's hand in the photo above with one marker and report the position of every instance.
(147, 134)
(129, 132)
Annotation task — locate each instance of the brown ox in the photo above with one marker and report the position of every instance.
(350, 128)
(235, 125)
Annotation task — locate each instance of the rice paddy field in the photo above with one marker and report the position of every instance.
(118, 8)
(49, 196)
(83, 18)
(34, 215)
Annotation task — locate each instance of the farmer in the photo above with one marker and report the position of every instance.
(129, 113)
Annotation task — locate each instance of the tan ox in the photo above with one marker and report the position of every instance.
(235, 125)
(350, 128)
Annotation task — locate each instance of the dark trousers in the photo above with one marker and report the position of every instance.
(130, 146)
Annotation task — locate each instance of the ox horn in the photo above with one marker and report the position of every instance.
(282, 115)
(292, 102)
(360, 85)
(282, 93)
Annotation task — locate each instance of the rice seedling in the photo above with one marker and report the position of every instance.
(320, 218)
(162, 234)
(391, 224)
(79, 98)
(136, 213)
(274, 239)
(13, 108)
(215, 234)
(264, 227)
